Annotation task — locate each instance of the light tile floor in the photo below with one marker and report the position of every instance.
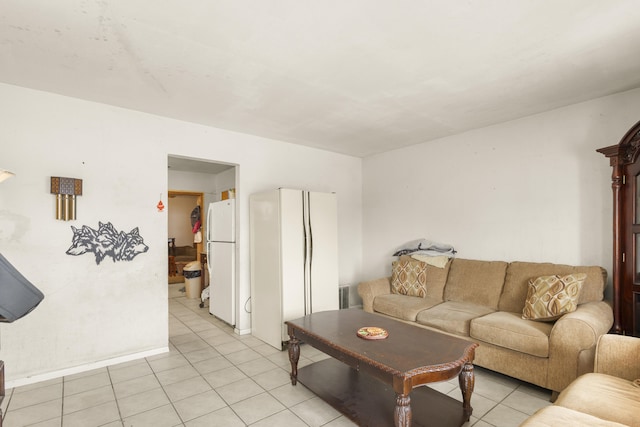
(213, 377)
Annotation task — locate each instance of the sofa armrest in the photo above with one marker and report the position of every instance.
(572, 343)
(618, 355)
(369, 290)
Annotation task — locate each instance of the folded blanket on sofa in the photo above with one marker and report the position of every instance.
(425, 247)
(437, 261)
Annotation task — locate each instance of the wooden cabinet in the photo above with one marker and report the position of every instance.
(625, 183)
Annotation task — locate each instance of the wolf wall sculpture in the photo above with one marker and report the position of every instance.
(107, 241)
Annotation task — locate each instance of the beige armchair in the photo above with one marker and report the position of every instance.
(610, 396)
(619, 356)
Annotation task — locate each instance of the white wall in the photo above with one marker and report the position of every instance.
(533, 189)
(94, 314)
(225, 181)
(195, 182)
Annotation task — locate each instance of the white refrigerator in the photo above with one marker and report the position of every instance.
(294, 259)
(221, 251)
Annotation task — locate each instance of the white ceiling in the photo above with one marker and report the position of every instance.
(352, 76)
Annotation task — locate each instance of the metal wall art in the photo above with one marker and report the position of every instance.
(107, 241)
(66, 190)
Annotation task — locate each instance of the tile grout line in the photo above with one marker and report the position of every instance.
(190, 363)
(286, 408)
(224, 356)
(165, 393)
(199, 373)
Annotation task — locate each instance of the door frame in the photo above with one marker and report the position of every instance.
(199, 200)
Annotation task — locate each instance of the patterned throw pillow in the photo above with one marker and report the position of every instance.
(549, 297)
(409, 277)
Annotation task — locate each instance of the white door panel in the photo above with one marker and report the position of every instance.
(323, 216)
(266, 291)
(221, 221)
(222, 281)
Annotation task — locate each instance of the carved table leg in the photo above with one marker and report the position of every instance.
(294, 355)
(402, 411)
(467, 381)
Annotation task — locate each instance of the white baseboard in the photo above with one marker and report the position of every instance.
(83, 368)
(242, 331)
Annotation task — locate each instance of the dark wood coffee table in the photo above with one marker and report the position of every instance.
(363, 386)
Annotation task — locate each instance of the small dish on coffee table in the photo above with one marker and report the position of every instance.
(372, 333)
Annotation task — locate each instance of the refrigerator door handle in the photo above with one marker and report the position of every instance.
(310, 249)
(209, 224)
(307, 252)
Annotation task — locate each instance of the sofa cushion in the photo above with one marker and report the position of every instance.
(402, 306)
(549, 297)
(437, 279)
(409, 277)
(603, 396)
(553, 416)
(509, 330)
(452, 316)
(477, 282)
(518, 274)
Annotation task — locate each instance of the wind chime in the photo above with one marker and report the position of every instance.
(66, 190)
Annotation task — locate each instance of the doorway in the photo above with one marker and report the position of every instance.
(210, 181)
(183, 248)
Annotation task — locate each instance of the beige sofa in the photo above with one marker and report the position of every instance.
(607, 397)
(483, 302)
